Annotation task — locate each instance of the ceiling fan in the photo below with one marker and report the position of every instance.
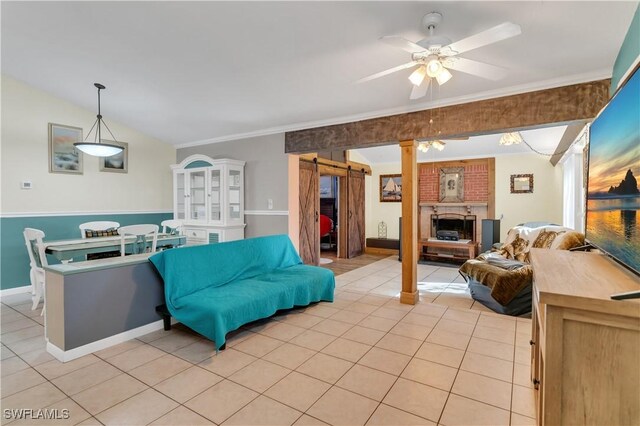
(436, 55)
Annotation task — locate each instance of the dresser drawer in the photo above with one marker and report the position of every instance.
(196, 234)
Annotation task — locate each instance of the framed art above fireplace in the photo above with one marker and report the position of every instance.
(451, 185)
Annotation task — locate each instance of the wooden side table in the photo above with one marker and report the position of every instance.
(470, 249)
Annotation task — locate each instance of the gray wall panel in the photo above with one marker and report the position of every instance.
(266, 225)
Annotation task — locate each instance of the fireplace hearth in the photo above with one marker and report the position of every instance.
(464, 225)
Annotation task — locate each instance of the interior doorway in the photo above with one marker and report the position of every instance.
(329, 217)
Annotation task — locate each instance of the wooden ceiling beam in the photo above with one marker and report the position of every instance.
(542, 108)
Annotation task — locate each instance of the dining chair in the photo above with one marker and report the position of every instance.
(98, 228)
(141, 232)
(172, 225)
(37, 259)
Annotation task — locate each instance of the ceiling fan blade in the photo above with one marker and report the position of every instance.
(418, 92)
(402, 43)
(490, 72)
(492, 35)
(387, 72)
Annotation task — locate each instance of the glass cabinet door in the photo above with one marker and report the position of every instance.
(180, 196)
(197, 198)
(236, 195)
(215, 195)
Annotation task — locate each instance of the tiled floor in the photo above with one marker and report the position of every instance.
(365, 359)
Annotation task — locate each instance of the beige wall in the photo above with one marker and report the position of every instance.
(377, 211)
(26, 112)
(544, 204)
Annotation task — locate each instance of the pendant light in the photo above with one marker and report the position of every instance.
(97, 147)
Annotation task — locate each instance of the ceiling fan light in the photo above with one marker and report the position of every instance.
(434, 67)
(443, 76)
(513, 138)
(418, 75)
(437, 145)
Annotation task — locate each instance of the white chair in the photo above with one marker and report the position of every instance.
(173, 225)
(97, 226)
(141, 233)
(37, 259)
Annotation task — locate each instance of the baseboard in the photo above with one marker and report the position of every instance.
(378, 250)
(64, 356)
(15, 290)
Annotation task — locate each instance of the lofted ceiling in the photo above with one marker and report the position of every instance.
(542, 140)
(195, 72)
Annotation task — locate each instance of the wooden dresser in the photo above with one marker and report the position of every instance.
(585, 357)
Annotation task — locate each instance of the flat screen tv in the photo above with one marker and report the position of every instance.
(613, 196)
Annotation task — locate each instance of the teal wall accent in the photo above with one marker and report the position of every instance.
(14, 260)
(198, 163)
(629, 51)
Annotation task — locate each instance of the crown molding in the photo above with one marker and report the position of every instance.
(491, 94)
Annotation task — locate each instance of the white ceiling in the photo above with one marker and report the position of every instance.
(543, 140)
(185, 72)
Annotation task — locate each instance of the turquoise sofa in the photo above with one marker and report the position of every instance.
(216, 288)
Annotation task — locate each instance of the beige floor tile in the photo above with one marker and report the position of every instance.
(346, 295)
(518, 420)
(197, 352)
(374, 300)
(118, 349)
(430, 309)
(378, 323)
(495, 334)
(264, 411)
(135, 357)
(237, 336)
(22, 334)
(321, 311)
(349, 316)
(461, 411)
(467, 317)
(389, 416)
(346, 349)
(314, 340)
(341, 407)
(455, 301)
(91, 421)
(441, 354)
(416, 398)
(282, 331)
(187, 384)
(306, 420)
(109, 393)
(142, 408)
(359, 334)
(491, 348)
(8, 315)
(27, 345)
(298, 391)
(259, 375)
(174, 341)
(181, 416)
(290, 356)
(488, 366)
(227, 362)
(325, 367)
(258, 345)
(221, 401)
(400, 344)
(332, 327)
(389, 313)
(522, 375)
(454, 326)
(154, 335)
(430, 373)
(367, 382)
(37, 357)
(6, 353)
(363, 308)
(394, 303)
(20, 381)
(159, 369)
(302, 319)
(503, 323)
(483, 389)
(35, 397)
(415, 318)
(384, 360)
(17, 325)
(68, 413)
(523, 401)
(86, 377)
(13, 365)
(445, 338)
(418, 332)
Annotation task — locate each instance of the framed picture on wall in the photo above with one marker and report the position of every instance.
(63, 156)
(522, 184)
(390, 188)
(118, 163)
(451, 185)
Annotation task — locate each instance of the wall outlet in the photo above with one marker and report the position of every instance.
(270, 204)
(26, 184)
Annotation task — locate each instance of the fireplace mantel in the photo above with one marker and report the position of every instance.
(469, 204)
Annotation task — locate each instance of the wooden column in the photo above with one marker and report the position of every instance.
(409, 293)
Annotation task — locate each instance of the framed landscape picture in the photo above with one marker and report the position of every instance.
(63, 156)
(118, 163)
(390, 188)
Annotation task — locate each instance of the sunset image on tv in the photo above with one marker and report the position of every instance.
(613, 193)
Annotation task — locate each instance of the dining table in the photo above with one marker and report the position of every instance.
(66, 250)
